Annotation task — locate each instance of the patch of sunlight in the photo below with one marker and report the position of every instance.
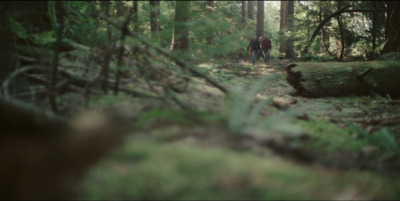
(205, 65)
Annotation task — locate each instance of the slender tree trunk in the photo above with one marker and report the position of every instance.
(60, 22)
(260, 19)
(289, 50)
(135, 16)
(181, 32)
(154, 18)
(7, 46)
(374, 27)
(243, 14)
(250, 9)
(282, 25)
(341, 33)
(124, 32)
(392, 27)
(105, 7)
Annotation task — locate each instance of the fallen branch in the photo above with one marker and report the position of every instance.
(14, 74)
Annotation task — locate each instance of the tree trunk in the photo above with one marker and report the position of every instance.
(59, 30)
(283, 23)
(290, 22)
(312, 79)
(286, 23)
(135, 17)
(243, 14)
(250, 9)
(7, 47)
(181, 32)
(340, 24)
(260, 19)
(392, 27)
(154, 18)
(374, 28)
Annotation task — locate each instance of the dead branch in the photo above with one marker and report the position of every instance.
(14, 74)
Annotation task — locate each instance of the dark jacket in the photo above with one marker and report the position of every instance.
(254, 44)
(266, 44)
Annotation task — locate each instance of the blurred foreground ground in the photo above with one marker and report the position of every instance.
(297, 148)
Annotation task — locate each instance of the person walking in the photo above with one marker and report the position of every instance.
(266, 48)
(254, 48)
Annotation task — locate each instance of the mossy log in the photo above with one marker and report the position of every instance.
(345, 79)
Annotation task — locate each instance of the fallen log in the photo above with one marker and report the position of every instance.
(311, 79)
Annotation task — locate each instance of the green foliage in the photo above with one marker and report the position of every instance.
(314, 58)
(242, 113)
(148, 117)
(382, 138)
(18, 28)
(330, 137)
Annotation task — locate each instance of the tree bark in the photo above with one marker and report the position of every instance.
(59, 29)
(154, 18)
(250, 9)
(283, 23)
(392, 27)
(374, 28)
(7, 47)
(290, 23)
(340, 24)
(181, 31)
(260, 19)
(286, 23)
(243, 13)
(312, 79)
(135, 16)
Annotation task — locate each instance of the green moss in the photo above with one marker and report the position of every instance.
(330, 137)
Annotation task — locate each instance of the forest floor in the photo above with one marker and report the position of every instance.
(276, 146)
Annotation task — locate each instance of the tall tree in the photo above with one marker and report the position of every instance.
(135, 16)
(243, 13)
(340, 24)
(260, 19)
(181, 32)
(154, 18)
(374, 27)
(392, 31)
(59, 30)
(250, 10)
(286, 24)
(7, 46)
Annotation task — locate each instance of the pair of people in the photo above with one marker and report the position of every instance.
(263, 44)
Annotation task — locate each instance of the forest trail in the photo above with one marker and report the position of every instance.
(297, 148)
